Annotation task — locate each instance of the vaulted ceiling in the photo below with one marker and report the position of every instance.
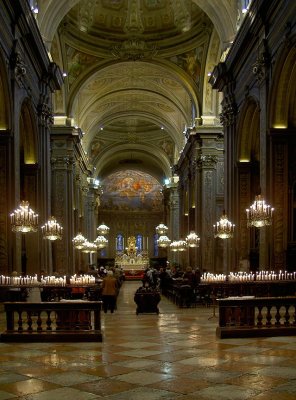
(136, 74)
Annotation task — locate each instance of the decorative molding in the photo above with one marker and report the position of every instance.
(206, 161)
(44, 113)
(229, 111)
(19, 67)
(134, 49)
(260, 67)
(61, 162)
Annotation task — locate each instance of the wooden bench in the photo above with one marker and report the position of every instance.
(64, 321)
(256, 316)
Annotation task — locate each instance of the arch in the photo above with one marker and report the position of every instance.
(282, 104)
(159, 68)
(222, 14)
(154, 163)
(28, 134)
(5, 98)
(249, 132)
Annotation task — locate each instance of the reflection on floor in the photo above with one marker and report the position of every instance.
(173, 355)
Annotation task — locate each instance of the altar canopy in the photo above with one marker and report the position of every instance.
(132, 261)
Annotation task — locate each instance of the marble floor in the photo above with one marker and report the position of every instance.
(173, 355)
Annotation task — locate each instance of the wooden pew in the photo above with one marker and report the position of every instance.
(63, 321)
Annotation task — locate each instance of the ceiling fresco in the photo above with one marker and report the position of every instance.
(131, 190)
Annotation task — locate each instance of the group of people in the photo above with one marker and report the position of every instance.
(160, 278)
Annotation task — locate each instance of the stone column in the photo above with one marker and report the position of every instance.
(172, 206)
(45, 121)
(228, 118)
(206, 165)
(260, 70)
(91, 213)
(5, 210)
(63, 173)
(280, 190)
(242, 232)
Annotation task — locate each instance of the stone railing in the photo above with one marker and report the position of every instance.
(256, 316)
(64, 321)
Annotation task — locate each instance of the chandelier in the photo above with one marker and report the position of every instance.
(103, 229)
(78, 241)
(101, 242)
(89, 247)
(178, 245)
(161, 229)
(192, 239)
(224, 228)
(24, 219)
(163, 241)
(52, 230)
(259, 214)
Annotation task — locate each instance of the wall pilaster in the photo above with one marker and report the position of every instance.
(68, 163)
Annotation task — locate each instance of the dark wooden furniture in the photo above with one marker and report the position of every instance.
(256, 317)
(249, 288)
(204, 293)
(49, 292)
(69, 321)
(147, 301)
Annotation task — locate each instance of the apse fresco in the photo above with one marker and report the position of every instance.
(131, 191)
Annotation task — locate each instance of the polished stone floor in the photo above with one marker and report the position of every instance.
(173, 355)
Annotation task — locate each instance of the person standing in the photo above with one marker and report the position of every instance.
(109, 292)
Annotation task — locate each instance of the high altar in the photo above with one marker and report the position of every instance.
(132, 261)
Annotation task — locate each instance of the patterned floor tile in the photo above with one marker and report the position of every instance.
(174, 355)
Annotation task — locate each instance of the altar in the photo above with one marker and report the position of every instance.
(133, 262)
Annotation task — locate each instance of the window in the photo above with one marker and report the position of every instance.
(139, 243)
(155, 246)
(120, 243)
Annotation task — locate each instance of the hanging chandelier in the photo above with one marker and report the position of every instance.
(259, 214)
(178, 245)
(174, 246)
(89, 247)
(52, 230)
(161, 229)
(78, 241)
(224, 229)
(103, 229)
(24, 219)
(101, 242)
(181, 245)
(192, 239)
(163, 241)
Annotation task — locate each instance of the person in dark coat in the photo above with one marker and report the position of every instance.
(109, 292)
